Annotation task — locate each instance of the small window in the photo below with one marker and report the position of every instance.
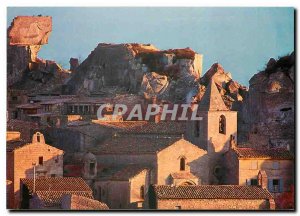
(92, 168)
(276, 165)
(275, 185)
(177, 207)
(253, 182)
(182, 164)
(222, 124)
(56, 159)
(41, 160)
(253, 165)
(142, 192)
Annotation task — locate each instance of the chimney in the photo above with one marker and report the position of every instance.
(262, 179)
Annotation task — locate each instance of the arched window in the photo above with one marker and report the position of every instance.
(182, 164)
(222, 124)
(142, 192)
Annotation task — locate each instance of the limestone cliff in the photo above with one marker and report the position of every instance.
(25, 70)
(269, 110)
(137, 68)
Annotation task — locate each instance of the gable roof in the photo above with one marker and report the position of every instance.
(57, 184)
(18, 144)
(53, 199)
(275, 153)
(212, 100)
(211, 192)
(135, 145)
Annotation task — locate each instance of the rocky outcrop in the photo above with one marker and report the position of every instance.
(138, 68)
(269, 110)
(30, 30)
(232, 92)
(26, 35)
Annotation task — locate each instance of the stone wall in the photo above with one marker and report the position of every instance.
(214, 204)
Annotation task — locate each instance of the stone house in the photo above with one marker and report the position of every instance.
(151, 160)
(24, 158)
(209, 197)
(243, 165)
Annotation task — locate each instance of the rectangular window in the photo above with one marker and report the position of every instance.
(253, 165)
(41, 160)
(92, 168)
(275, 185)
(275, 165)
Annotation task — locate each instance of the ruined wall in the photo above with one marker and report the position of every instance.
(269, 111)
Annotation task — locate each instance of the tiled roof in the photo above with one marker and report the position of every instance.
(58, 184)
(26, 128)
(211, 192)
(128, 172)
(134, 145)
(15, 144)
(212, 100)
(183, 175)
(54, 198)
(275, 153)
(83, 203)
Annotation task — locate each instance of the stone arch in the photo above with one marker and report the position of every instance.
(187, 183)
(38, 137)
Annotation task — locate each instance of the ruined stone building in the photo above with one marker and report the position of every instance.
(24, 157)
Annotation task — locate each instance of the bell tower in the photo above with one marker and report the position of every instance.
(218, 123)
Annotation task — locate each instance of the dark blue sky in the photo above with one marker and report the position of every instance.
(241, 39)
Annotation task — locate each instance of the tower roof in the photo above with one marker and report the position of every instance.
(212, 100)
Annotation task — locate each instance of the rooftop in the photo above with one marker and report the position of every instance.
(58, 184)
(53, 199)
(211, 192)
(212, 100)
(135, 145)
(275, 153)
(128, 172)
(84, 203)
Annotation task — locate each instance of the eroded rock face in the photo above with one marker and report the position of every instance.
(30, 30)
(269, 109)
(26, 71)
(130, 65)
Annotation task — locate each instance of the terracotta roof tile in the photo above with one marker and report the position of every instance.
(128, 172)
(58, 184)
(135, 145)
(211, 192)
(54, 198)
(84, 203)
(276, 153)
(26, 128)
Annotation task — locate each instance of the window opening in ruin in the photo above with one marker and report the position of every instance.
(38, 137)
(222, 124)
